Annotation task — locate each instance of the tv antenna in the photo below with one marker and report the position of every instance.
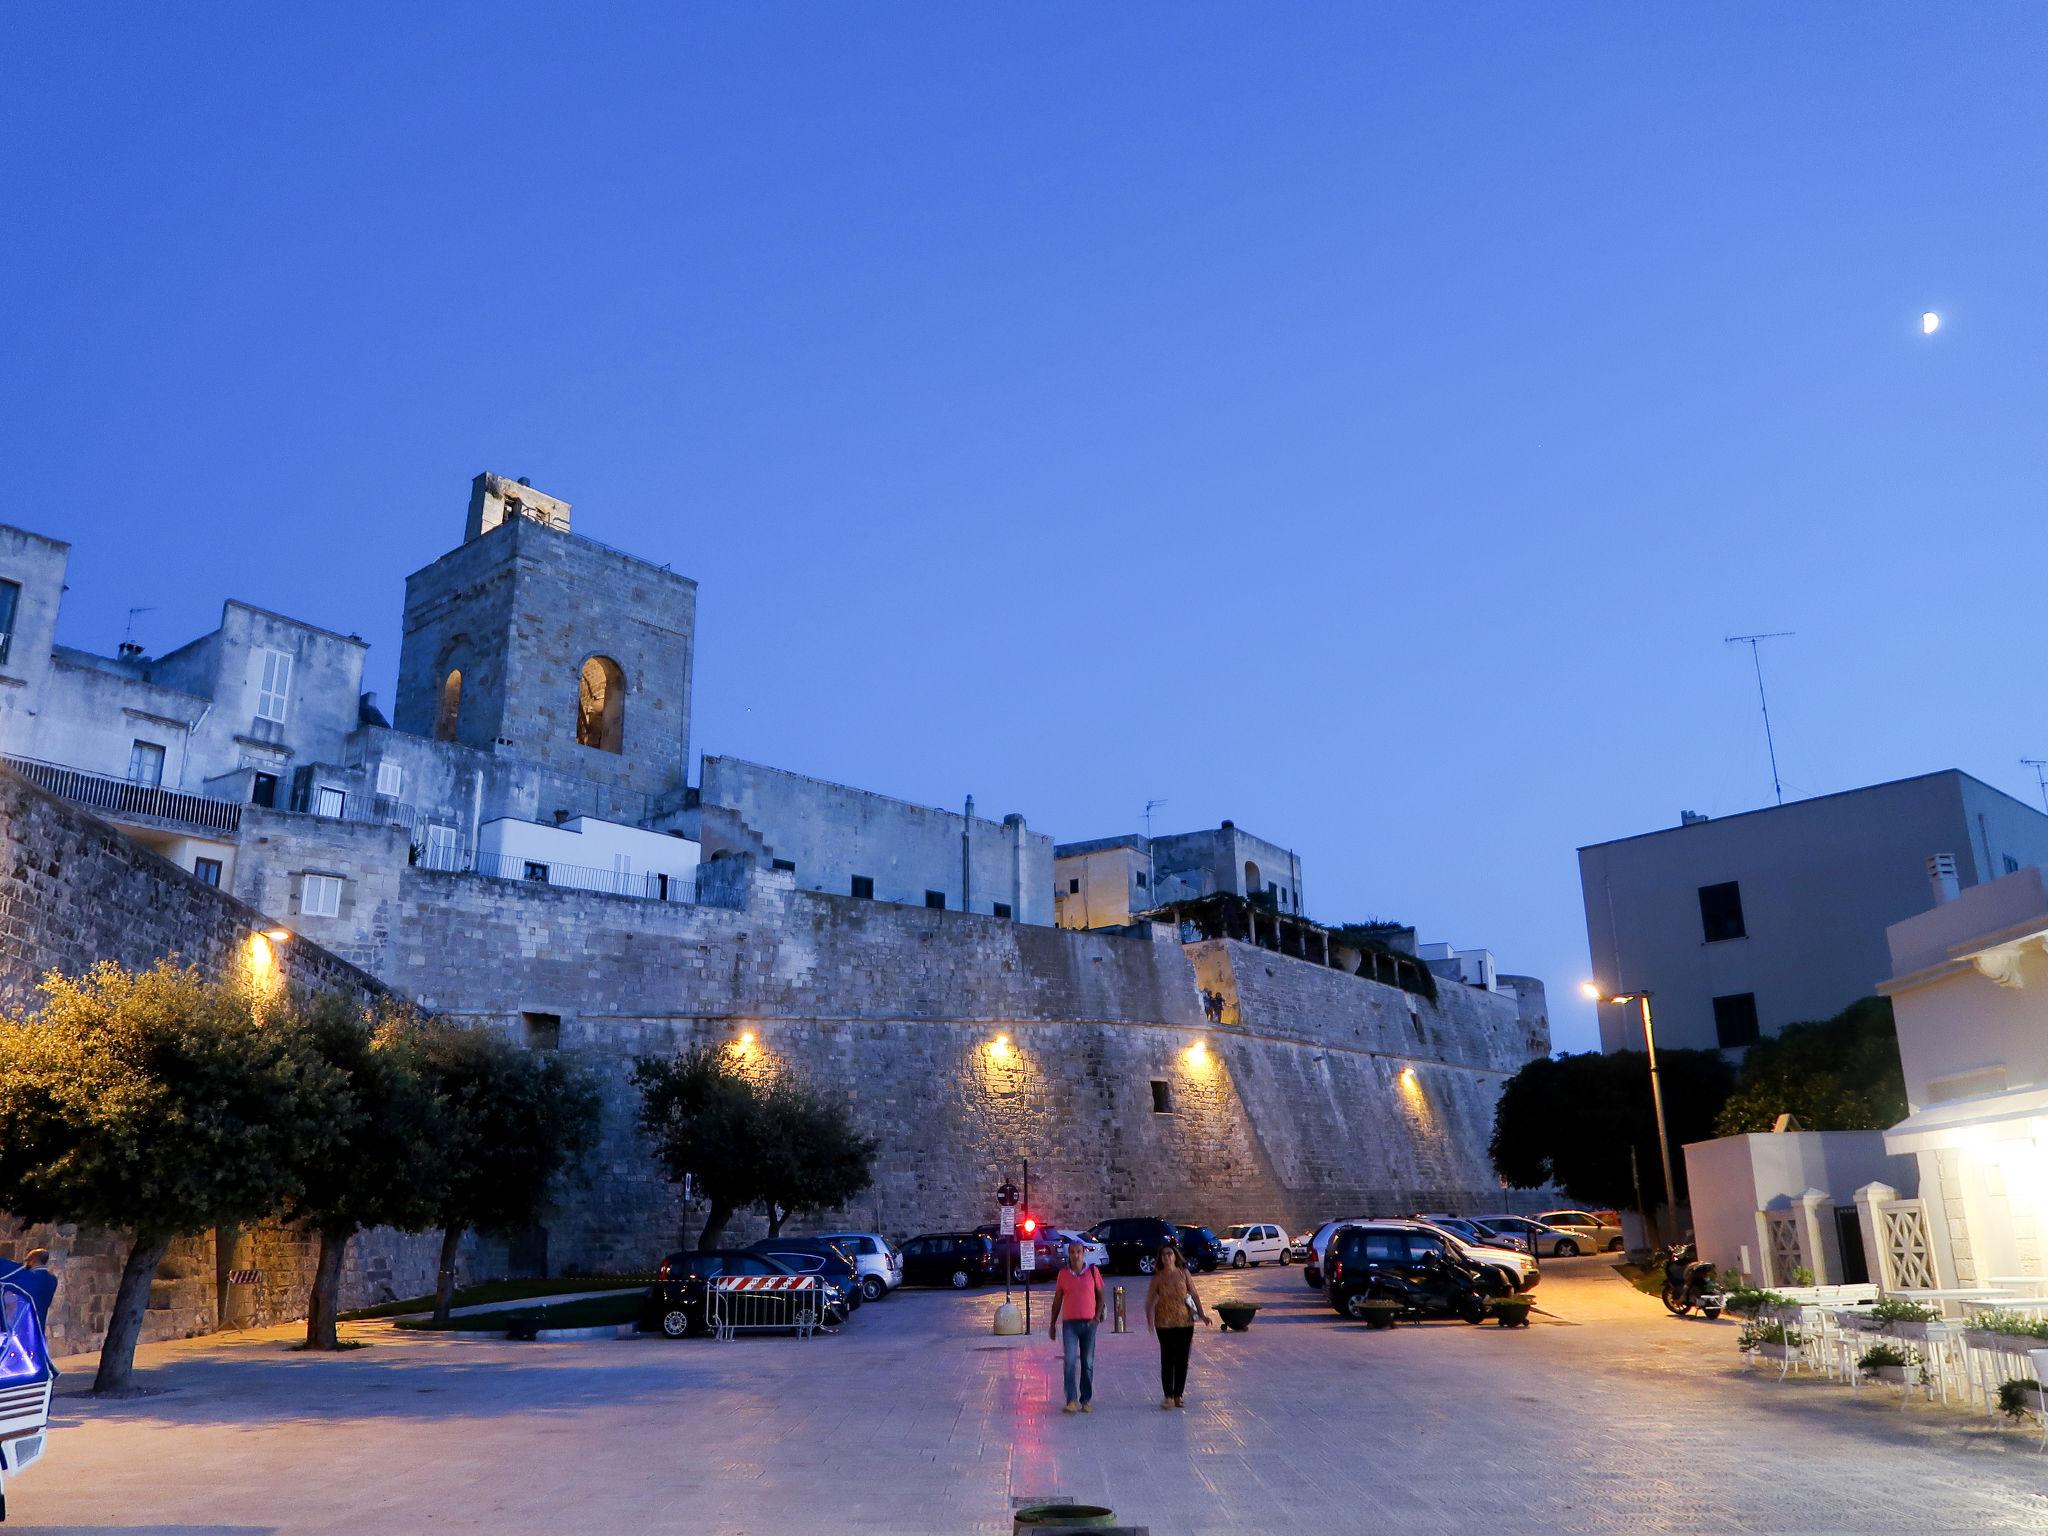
(128, 634)
(2040, 767)
(1752, 641)
(1149, 804)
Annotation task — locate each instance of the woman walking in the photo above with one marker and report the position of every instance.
(1171, 1307)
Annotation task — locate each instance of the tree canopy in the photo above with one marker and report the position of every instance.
(158, 1104)
(515, 1121)
(780, 1145)
(1839, 1074)
(1571, 1120)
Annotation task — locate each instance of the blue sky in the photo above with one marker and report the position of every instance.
(1361, 421)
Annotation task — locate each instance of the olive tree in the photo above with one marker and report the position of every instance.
(811, 1157)
(708, 1124)
(515, 1121)
(158, 1104)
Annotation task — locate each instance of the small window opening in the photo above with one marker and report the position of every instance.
(1073, 887)
(1002, 909)
(601, 705)
(1162, 1096)
(449, 715)
(541, 1031)
(936, 900)
(207, 871)
(787, 866)
(864, 887)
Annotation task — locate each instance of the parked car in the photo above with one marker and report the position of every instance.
(1312, 1263)
(1410, 1265)
(676, 1303)
(1600, 1234)
(958, 1259)
(1471, 1232)
(827, 1260)
(1133, 1242)
(1545, 1242)
(1045, 1254)
(880, 1265)
(1200, 1247)
(1057, 1239)
(1297, 1246)
(1255, 1242)
(1518, 1269)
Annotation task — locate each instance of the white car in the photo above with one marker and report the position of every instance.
(1057, 1238)
(1255, 1242)
(1600, 1235)
(879, 1265)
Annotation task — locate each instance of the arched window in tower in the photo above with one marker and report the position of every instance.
(1252, 887)
(601, 705)
(449, 714)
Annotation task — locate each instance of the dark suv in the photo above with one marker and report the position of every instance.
(675, 1303)
(1134, 1242)
(1409, 1266)
(958, 1259)
(832, 1264)
(1199, 1246)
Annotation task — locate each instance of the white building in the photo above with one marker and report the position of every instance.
(1969, 987)
(1744, 924)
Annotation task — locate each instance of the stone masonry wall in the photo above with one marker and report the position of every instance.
(73, 891)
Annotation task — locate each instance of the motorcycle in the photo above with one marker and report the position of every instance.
(1440, 1287)
(1689, 1282)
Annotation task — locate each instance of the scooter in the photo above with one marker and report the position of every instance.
(1689, 1281)
(25, 1377)
(1442, 1287)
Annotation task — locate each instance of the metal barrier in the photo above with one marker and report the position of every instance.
(758, 1303)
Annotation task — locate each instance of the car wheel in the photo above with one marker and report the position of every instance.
(1284, 1259)
(1567, 1249)
(1147, 1264)
(959, 1279)
(1614, 1245)
(1238, 1260)
(675, 1322)
(1314, 1278)
(873, 1288)
(1356, 1309)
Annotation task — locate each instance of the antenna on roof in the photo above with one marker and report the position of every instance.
(2040, 767)
(128, 634)
(1752, 642)
(1148, 817)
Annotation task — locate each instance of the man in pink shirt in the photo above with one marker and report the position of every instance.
(1077, 1297)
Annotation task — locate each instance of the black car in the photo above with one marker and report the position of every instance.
(958, 1259)
(1199, 1247)
(819, 1256)
(676, 1302)
(1413, 1269)
(1134, 1242)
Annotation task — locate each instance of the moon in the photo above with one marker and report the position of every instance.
(1929, 323)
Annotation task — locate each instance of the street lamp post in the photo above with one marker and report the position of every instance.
(1593, 991)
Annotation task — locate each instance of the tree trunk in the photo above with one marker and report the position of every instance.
(325, 1302)
(124, 1328)
(776, 1217)
(444, 1283)
(714, 1225)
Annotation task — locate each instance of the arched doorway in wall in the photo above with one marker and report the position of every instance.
(448, 710)
(601, 705)
(1252, 883)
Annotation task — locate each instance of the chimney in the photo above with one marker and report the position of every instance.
(1941, 874)
(130, 651)
(1690, 818)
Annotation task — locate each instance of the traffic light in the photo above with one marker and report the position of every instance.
(1029, 1226)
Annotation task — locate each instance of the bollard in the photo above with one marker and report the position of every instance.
(1121, 1326)
(1008, 1319)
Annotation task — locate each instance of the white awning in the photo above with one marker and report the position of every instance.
(1965, 1122)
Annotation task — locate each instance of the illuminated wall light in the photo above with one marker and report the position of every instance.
(1000, 1046)
(1198, 1052)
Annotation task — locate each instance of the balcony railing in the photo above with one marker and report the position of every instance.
(125, 798)
(646, 885)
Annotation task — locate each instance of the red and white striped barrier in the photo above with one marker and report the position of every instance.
(766, 1283)
(756, 1303)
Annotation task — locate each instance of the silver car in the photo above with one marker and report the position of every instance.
(1544, 1241)
(875, 1258)
(1601, 1236)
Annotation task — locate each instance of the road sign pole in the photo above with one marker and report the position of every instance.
(1034, 1241)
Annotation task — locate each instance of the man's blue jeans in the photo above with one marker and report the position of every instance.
(1078, 1340)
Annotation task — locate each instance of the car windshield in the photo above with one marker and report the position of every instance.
(1240, 1232)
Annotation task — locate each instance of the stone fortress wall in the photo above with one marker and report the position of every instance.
(1319, 1094)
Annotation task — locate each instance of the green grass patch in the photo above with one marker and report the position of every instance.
(506, 1290)
(591, 1312)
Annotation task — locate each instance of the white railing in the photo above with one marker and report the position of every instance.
(124, 797)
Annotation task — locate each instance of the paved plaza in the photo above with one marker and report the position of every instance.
(1604, 1415)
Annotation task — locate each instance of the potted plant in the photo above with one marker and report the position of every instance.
(1236, 1316)
(1892, 1364)
(1377, 1311)
(1904, 1319)
(2018, 1397)
(1999, 1331)
(1513, 1311)
(1771, 1339)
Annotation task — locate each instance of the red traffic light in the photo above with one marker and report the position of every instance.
(1030, 1225)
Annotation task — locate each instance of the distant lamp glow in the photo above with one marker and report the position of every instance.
(277, 935)
(746, 1038)
(1929, 323)
(1198, 1052)
(1408, 1077)
(1592, 990)
(1000, 1046)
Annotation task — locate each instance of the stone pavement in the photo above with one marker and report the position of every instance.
(1604, 1415)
